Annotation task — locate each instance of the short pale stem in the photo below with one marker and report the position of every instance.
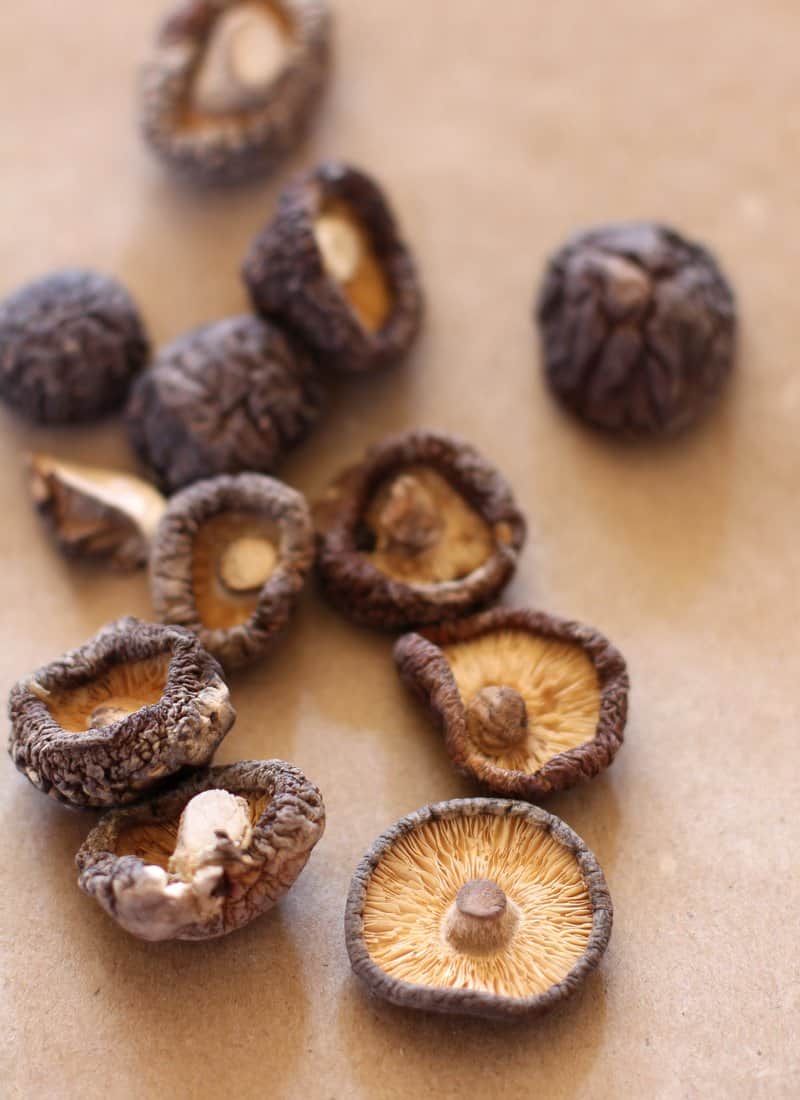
(408, 520)
(247, 563)
(106, 715)
(497, 719)
(480, 919)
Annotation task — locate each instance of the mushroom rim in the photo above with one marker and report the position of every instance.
(474, 1002)
(424, 668)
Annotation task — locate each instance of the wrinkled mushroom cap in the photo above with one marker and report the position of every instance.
(207, 857)
(230, 85)
(477, 906)
(528, 703)
(113, 718)
(423, 530)
(227, 397)
(333, 267)
(229, 561)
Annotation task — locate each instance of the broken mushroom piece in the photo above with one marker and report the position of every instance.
(333, 267)
(207, 857)
(229, 561)
(231, 85)
(224, 398)
(110, 720)
(96, 513)
(528, 703)
(477, 906)
(70, 345)
(424, 529)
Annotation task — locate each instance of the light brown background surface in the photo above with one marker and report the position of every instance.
(497, 129)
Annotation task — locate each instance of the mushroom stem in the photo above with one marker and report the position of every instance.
(248, 49)
(480, 920)
(215, 824)
(340, 246)
(497, 719)
(246, 563)
(408, 521)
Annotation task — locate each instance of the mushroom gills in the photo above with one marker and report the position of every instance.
(234, 556)
(425, 532)
(122, 690)
(248, 48)
(505, 674)
(349, 258)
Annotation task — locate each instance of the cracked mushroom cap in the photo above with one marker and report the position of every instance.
(638, 328)
(231, 85)
(528, 703)
(333, 267)
(106, 722)
(424, 529)
(229, 561)
(70, 345)
(207, 857)
(480, 907)
(224, 398)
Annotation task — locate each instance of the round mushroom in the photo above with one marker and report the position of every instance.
(70, 345)
(333, 267)
(528, 703)
(225, 398)
(638, 328)
(110, 720)
(480, 907)
(231, 85)
(229, 561)
(207, 857)
(422, 530)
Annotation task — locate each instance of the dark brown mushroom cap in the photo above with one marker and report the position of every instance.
(424, 663)
(396, 923)
(286, 277)
(233, 146)
(165, 707)
(247, 499)
(124, 861)
(638, 328)
(372, 597)
(225, 398)
(70, 344)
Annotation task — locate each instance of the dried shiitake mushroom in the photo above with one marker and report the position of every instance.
(94, 512)
(638, 328)
(229, 561)
(70, 344)
(528, 703)
(231, 84)
(227, 397)
(332, 266)
(477, 906)
(424, 529)
(207, 857)
(106, 722)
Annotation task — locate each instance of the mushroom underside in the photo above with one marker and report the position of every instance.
(119, 691)
(233, 556)
(349, 258)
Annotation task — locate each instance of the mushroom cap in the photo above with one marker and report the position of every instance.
(224, 398)
(573, 681)
(70, 344)
(248, 505)
(370, 595)
(638, 328)
(113, 718)
(227, 147)
(286, 275)
(404, 891)
(124, 863)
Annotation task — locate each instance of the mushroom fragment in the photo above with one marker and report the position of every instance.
(333, 267)
(70, 344)
(110, 720)
(231, 84)
(94, 512)
(528, 703)
(207, 857)
(229, 561)
(477, 906)
(227, 397)
(423, 529)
